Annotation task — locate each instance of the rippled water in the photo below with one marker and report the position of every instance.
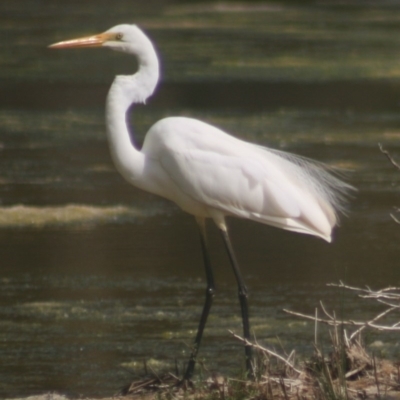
(97, 276)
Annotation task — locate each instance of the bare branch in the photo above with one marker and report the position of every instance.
(395, 219)
(342, 285)
(389, 296)
(324, 310)
(389, 157)
(388, 304)
(395, 164)
(349, 322)
(370, 323)
(263, 349)
(355, 371)
(310, 317)
(387, 293)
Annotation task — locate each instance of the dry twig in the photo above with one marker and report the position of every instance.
(389, 157)
(264, 350)
(390, 293)
(396, 165)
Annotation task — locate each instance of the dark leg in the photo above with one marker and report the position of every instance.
(243, 302)
(210, 291)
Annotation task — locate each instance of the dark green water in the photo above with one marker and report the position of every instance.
(96, 276)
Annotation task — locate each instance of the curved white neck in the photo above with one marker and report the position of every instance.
(125, 91)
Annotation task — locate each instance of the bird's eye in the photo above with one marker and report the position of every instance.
(119, 36)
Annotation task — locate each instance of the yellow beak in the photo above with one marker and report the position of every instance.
(87, 41)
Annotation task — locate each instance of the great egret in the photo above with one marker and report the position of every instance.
(209, 173)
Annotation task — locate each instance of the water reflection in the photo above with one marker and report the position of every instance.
(95, 275)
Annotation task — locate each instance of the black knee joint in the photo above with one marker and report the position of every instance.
(243, 293)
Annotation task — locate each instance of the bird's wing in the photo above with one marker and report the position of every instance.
(246, 188)
(237, 185)
(243, 179)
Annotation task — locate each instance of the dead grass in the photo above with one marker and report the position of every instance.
(383, 384)
(346, 372)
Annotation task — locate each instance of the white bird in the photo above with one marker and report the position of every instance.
(209, 173)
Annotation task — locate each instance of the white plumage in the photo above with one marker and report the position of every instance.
(209, 173)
